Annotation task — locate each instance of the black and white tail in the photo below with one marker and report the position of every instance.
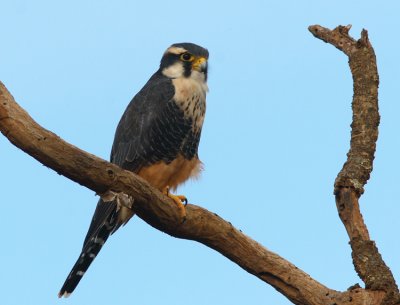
(104, 223)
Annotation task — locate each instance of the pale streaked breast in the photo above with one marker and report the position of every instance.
(190, 96)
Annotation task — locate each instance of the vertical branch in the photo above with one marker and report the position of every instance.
(349, 184)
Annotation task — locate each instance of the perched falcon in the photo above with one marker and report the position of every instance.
(156, 138)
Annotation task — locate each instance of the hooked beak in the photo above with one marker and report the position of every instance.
(200, 64)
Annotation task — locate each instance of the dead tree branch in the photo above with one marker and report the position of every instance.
(349, 184)
(216, 233)
(155, 208)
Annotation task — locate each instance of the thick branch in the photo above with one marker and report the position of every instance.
(157, 209)
(349, 184)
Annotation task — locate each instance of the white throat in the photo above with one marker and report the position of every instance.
(174, 71)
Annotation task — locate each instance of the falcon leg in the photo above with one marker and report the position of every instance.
(180, 201)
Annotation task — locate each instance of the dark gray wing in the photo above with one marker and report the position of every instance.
(151, 129)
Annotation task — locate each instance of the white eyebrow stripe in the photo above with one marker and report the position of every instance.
(176, 50)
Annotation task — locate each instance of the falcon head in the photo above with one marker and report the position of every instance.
(186, 60)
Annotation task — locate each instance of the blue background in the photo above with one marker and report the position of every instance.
(275, 136)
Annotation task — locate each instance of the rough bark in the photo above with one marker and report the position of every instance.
(349, 184)
(211, 230)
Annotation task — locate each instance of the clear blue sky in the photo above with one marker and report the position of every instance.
(275, 136)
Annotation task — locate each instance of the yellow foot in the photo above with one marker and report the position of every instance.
(180, 201)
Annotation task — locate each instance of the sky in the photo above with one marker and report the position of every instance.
(276, 134)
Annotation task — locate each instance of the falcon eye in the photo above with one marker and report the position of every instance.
(187, 57)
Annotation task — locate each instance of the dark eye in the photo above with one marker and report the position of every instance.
(186, 57)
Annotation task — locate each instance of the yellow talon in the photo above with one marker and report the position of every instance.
(180, 201)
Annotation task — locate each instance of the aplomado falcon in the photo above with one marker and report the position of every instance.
(156, 138)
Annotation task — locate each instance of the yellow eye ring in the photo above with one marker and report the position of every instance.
(187, 57)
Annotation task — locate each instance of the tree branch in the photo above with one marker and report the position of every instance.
(208, 228)
(155, 208)
(349, 184)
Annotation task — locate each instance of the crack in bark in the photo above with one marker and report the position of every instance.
(292, 292)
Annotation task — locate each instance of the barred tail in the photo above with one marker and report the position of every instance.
(91, 248)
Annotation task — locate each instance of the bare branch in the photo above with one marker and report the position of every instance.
(211, 230)
(157, 209)
(349, 184)
(358, 167)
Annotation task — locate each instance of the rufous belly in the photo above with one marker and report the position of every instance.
(161, 174)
